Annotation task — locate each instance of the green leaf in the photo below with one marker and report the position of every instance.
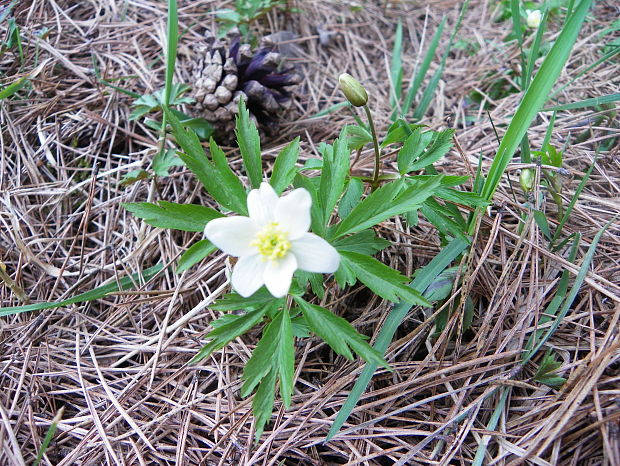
(300, 327)
(424, 278)
(249, 145)
(339, 334)
(235, 302)
(195, 254)
(442, 142)
(164, 160)
(386, 202)
(381, 279)
(541, 221)
(217, 178)
(412, 148)
(284, 167)
(285, 357)
(399, 131)
(227, 328)
(231, 184)
(440, 218)
(316, 211)
(357, 137)
(441, 287)
(545, 374)
(316, 282)
(49, 436)
(172, 35)
(461, 197)
(364, 242)
(335, 171)
(185, 217)
(262, 404)
(275, 352)
(13, 88)
(344, 276)
(115, 285)
(352, 197)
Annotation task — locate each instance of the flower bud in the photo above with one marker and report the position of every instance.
(353, 90)
(533, 18)
(526, 180)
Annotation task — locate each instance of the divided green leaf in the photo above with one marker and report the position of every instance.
(195, 254)
(364, 242)
(352, 196)
(217, 177)
(545, 373)
(284, 167)
(413, 147)
(339, 334)
(381, 279)
(164, 160)
(227, 328)
(387, 201)
(249, 145)
(185, 217)
(335, 171)
(274, 355)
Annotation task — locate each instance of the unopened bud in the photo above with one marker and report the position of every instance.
(353, 90)
(526, 180)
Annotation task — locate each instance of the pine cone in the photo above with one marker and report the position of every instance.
(222, 72)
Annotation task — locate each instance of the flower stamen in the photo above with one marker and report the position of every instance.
(272, 242)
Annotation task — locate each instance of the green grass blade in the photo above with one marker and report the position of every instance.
(613, 52)
(605, 99)
(49, 436)
(421, 73)
(171, 49)
(535, 96)
(396, 70)
(572, 203)
(581, 276)
(427, 96)
(560, 294)
(518, 32)
(426, 276)
(98, 293)
(549, 132)
(329, 110)
(536, 47)
(499, 408)
(13, 88)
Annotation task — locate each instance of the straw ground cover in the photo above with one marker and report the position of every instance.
(118, 366)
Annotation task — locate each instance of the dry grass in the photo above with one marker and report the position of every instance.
(118, 366)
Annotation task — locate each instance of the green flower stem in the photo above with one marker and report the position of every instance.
(375, 178)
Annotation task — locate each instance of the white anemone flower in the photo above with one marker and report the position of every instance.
(533, 18)
(272, 242)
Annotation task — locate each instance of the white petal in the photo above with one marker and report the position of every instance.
(292, 212)
(232, 235)
(261, 203)
(279, 274)
(247, 276)
(314, 254)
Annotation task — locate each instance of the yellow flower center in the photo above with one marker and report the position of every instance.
(272, 242)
